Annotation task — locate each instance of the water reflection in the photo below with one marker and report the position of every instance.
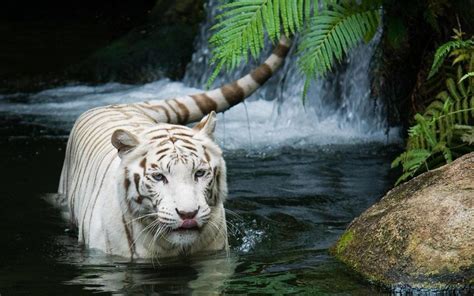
(204, 275)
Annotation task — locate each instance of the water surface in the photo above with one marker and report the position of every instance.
(288, 205)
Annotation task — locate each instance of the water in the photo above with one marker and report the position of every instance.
(293, 192)
(297, 177)
(292, 204)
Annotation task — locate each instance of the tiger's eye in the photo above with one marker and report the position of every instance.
(199, 174)
(159, 177)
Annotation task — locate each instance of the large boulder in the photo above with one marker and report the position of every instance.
(420, 235)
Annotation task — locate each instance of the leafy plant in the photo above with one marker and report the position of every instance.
(444, 132)
(331, 34)
(329, 28)
(434, 140)
(458, 48)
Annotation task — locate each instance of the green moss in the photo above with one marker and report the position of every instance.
(344, 241)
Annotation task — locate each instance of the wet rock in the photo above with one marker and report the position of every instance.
(420, 235)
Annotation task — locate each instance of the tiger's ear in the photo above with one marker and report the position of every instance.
(207, 125)
(124, 141)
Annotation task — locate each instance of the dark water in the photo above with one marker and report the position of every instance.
(288, 207)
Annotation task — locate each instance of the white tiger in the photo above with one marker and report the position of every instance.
(137, 185)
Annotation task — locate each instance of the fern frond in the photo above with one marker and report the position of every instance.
(335, 28)
(433, 135)
(466, 76)
(445, 129)
(243, 25)
(331, 34)
(444, 50)
(411, 162)
(468, 136)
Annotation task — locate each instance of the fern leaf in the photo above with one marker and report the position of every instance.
(444, 50)
(411, 161)
(468, 137)
(470, 74)
(424, 129)
(300, 13)
(461, 85)
(404, 177)
(239, 31)
(284, 16)
(460, 57)
(294, 16)
(244, 24)
(466, 107)
(269, 19)
(434, 109)
(307, 10)
(276, 14)
(331, 34)
(452, 88)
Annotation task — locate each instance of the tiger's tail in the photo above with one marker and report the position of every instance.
(192, 108)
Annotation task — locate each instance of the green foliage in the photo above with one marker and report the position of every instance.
(242, 25)
(444, 131)
(468, 136)
(470, 74)
(331, 34)
(457, 47)
(330, 28)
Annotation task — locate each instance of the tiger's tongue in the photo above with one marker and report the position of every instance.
(189, 223)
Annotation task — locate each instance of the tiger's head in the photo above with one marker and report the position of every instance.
(173, 180)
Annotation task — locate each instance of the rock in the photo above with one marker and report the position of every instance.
(420, 235)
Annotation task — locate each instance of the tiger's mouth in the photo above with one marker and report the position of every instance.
(182, 229)
(188, 225)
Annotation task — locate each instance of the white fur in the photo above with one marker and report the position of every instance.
(107, 213)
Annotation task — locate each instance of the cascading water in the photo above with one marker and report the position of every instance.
(339, 109)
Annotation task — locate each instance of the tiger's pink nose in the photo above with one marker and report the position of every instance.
(187, 215)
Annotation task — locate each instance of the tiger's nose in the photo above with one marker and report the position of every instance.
(187, 215)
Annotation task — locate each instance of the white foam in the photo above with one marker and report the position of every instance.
(270, 124)
(65, 104)
(296, 126)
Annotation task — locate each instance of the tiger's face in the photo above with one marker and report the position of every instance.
(173, 180)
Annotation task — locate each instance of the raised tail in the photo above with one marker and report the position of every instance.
(192, 108)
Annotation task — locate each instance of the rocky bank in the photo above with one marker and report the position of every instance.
(421, 234)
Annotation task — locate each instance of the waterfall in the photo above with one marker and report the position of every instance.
(339, 109)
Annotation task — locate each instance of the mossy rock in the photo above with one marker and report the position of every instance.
(420, 235)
